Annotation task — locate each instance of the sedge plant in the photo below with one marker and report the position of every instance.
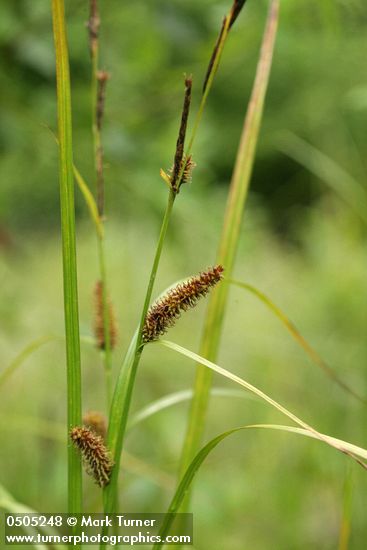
(88, 442)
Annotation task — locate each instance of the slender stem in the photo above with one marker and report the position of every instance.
(68, 251)
(125, 383)
(209, 82)
(229, 240)
(98, 162)
(107, 352)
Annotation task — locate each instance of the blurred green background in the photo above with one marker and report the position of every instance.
(303, 242)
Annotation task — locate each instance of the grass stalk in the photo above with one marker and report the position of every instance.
(68, 252)
(229, 240)
(121, 401)
(97, 94)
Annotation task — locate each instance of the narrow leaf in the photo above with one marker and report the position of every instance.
(198, 460)
(90, 201)
(174, 399)
(249, 387)
(71, 309)
(314, 356)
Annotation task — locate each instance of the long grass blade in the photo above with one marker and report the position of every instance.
(68, 250)
(30, 348)
(253, 389)
(198, 460)
(24, 354)
(328, 171)
(176, 398)
(230, 236)
(314, 356)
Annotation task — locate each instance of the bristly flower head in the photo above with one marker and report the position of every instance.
(165, 311)
(98, 322)
(187, 166)
(95, 455)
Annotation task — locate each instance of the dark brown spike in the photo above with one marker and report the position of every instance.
(235, 11)
(214, 55)
(232, 16)
(177, 164)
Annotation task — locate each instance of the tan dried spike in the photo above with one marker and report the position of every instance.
(98, 322)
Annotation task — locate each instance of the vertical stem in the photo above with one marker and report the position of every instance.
(125, 383)
(229, 240)
(68, 251)
(94, 25)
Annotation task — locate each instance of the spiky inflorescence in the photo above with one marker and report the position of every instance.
(95, 455)
(96, 421)
(188, 165)
(165, 311)
(99, 324)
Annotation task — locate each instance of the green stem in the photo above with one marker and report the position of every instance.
(125, 383)
(209, 83)
(68, 251)
(229, 241)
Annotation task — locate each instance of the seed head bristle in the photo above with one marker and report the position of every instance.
(96, 421)
(166, 310)
(99, 317)
(95, 455)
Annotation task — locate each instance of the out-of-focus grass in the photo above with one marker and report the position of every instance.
(261, 486)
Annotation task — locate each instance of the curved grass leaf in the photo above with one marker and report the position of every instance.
(198, 460)
(174, 399)
(31, 348)
(314, 356)
(249, 387)
(90, 200)
(25, 353)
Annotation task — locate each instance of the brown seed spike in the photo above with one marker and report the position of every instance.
(99, 317)
(166, 310)
(95, 455)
